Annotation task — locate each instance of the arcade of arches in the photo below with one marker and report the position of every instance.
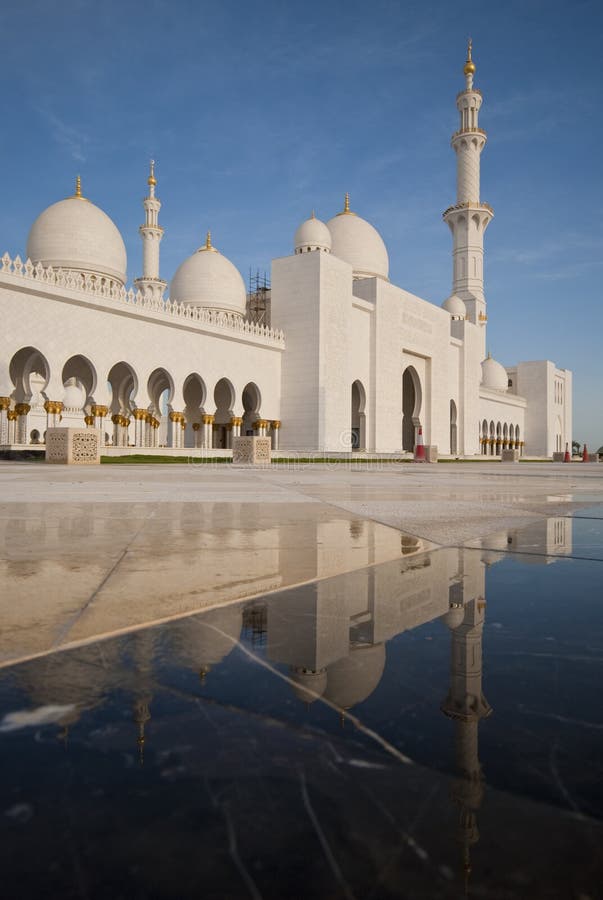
(138, 415)
(495, 437)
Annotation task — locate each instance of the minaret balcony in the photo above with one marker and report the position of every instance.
(468, 131)
(468, 205)
(472, 90)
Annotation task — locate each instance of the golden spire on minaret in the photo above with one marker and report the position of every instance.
(469, 68)
(78, 188)
(151, 180)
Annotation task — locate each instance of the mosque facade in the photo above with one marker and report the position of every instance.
(349, 361)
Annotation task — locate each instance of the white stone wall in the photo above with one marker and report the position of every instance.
(546, 408)
(311, 302)
(61, 326)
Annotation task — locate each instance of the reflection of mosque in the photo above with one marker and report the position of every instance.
(331, 636)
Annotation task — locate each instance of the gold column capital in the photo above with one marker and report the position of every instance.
(4, 402)
(139, 414)
(99, 411)
(276, 423)
(89, 420)
(196, 426)
(208, 420)
(22, 408)
(236, 420)
(11, 415)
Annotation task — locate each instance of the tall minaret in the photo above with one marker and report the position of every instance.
(469, 218)
(151, 233)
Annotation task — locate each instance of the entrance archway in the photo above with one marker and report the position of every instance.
(411, 407)
(453, 431)
(358, 429)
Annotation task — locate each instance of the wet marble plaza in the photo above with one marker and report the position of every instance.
(267, 688)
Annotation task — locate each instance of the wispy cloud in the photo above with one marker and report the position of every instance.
(71, 137)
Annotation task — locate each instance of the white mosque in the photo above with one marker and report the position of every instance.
(349, 362)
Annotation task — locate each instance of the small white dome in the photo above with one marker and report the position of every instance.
(75, 234)
(356, 242)
(454, 617)
(75, 394)
(455, 306)
(494, 375)
(309, 684)
(210, 280)
(312, 235)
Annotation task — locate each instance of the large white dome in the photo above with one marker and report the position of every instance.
(354, 678)
(312, 235)
(75, 234)
(356, 242)
(494, 375)
(209, 279)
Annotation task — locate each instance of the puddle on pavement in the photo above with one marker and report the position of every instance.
(421, 728)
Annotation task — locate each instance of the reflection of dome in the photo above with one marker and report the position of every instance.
(494, 375)
(75, 394)
(454, 617)
(312, 235)
(210, 280)
(356, 242)
(354, 678)
(75, 234)
(308, 684)
(206, 639)
(455, 306)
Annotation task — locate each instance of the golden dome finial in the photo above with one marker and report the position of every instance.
(151, 180)
(208, 244)
(469, 68)
(78, 188)
(346, 202)
(313, 216)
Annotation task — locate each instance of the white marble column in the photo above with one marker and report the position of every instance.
(276, 425)
(22, 410)
(4, 408)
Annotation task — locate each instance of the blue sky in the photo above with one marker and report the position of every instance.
(256, 112)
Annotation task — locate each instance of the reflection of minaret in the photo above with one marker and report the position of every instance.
(143, 652)
(466, 704)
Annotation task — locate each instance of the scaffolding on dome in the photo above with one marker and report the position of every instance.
(258, 298)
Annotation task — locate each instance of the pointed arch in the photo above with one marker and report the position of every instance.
(412, 399)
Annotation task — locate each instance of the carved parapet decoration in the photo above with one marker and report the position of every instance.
(147, 301)
(73, 446)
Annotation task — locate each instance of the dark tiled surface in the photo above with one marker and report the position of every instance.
(425, 728)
